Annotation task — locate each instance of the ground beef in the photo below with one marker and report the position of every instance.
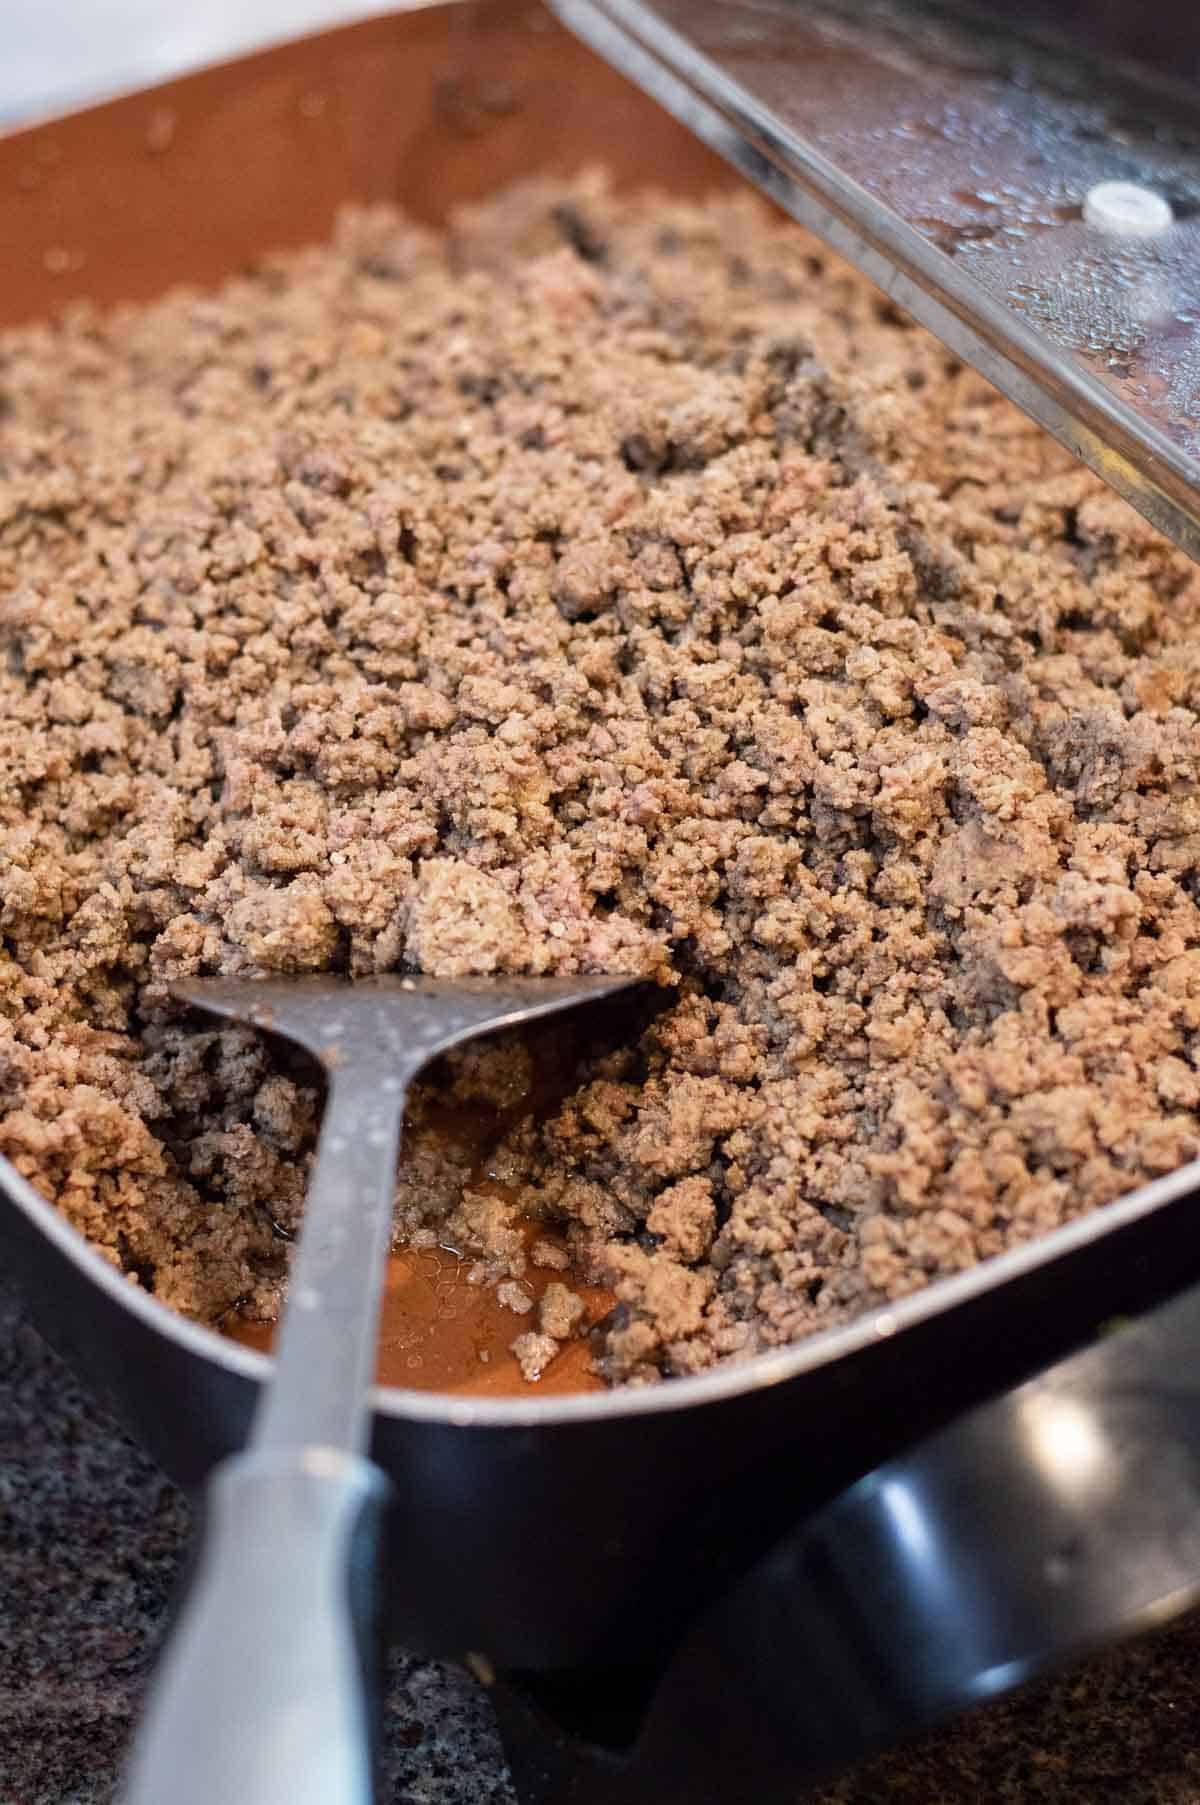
(560, 1311)
(603, 585)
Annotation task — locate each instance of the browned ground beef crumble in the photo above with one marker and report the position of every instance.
(606, 584)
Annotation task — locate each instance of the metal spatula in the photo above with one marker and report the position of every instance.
(263, 1694)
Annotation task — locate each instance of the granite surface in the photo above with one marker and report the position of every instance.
(91, 1536)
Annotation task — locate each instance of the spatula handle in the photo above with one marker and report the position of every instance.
(265, 1693)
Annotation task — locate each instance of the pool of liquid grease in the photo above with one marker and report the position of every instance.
(439, 1332)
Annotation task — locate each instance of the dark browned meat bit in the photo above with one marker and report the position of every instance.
(610, 584)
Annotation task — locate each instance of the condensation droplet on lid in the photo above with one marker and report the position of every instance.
(1126, 210)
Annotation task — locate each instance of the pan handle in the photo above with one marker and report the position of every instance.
(1056, 1519)
(264, 1695)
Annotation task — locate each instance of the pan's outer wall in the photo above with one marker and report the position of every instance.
(545, 1544)
(191, 181)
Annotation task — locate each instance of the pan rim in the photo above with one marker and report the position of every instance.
(728, 1380)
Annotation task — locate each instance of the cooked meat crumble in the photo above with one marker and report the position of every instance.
(604, 585)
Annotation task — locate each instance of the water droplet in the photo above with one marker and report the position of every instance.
(160, 130)
(60, 261)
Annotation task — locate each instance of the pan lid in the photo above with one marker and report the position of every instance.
(1034, 201)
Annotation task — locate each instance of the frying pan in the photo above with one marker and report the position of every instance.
(541, 1535)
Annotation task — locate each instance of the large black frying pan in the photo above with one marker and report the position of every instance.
(539, 1535)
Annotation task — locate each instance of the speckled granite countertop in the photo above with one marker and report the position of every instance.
(90, 1542)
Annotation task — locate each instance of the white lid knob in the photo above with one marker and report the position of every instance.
(1125, 210)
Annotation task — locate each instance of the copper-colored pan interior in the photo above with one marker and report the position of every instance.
(190, 181)
(439, 1332)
